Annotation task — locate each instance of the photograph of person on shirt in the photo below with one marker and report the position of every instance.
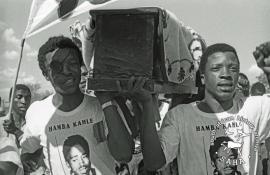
(223, 157)
(77, 155)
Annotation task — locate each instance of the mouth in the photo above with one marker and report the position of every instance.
(22, 108)
(69, 82)
(226, 86)
(228, 170)
(83, 169)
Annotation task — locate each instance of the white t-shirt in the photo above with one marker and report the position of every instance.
(188, 133)
(48, 127)
(8, 148)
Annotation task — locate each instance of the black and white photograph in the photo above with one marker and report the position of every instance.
(134, 87)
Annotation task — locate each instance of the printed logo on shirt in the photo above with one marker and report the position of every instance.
(63, 126)
(77, 155)
(226, 152)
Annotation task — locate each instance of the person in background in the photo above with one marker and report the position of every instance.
(11, 131)
(242, 88)
(257, 89)
(22, 100)
(243, 85)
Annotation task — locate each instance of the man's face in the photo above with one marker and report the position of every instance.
(221, 75)
(63, 70)
(224, 161)
(22, 99)
(79, 161)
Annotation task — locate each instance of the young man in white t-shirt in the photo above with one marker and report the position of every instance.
(188, 131)
(69, 112)
(11, 131)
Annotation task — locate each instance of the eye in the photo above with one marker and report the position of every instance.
(215, 68)
(235, 68)
(19, 96)
(56, 66)
(74, 159)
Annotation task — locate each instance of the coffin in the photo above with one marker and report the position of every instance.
(146, 42)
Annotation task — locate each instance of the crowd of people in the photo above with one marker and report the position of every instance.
(222, 131)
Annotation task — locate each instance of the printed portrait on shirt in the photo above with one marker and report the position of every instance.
(224, 156)
(77, 156)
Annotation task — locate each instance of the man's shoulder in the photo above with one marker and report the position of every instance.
(256, 99)
(255, 102)
(91, 98)
(43, 102)
(183, 107)
(182, 110)
(92, 101)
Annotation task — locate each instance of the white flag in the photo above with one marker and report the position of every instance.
(46, 13)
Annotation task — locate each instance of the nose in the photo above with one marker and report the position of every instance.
(81, 162)
(23, 100)
(66, 69)
(225, 73)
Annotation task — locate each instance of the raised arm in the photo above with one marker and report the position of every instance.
(120, 142)
(151, 148)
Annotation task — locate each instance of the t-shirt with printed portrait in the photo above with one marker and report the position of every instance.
(73, 142)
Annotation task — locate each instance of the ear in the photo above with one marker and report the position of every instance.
(203, 79)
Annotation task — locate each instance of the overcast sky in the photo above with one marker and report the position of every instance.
(241, 23)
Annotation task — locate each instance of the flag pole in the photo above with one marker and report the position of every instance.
(15, 81)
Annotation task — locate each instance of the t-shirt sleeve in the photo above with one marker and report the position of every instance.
(30, 141)
(170, 136)
(9, 151)
(264, 123)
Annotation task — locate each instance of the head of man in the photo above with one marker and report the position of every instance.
(60, 61)
(222, 157)
(242, 89)
(76, 153)
(243, 84)
(22, 99)
(220, 69)
(257, 89)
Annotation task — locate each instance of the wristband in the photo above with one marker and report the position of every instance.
(107, 104)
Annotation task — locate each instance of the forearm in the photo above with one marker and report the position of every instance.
(152, 152)
(120, 141)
